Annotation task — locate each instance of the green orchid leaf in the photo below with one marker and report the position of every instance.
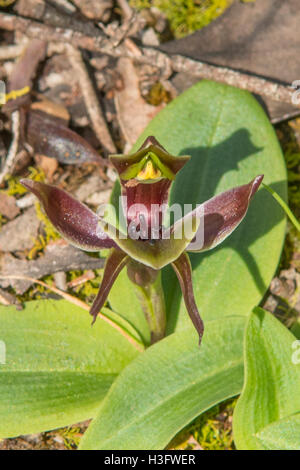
(168, 386)
(272, 384)
(231, 141)
(58, 368)
(124, 301)
(281, 435)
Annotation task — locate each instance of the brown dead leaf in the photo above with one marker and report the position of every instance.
(50, 107)
(49, 165)
(87, 276)
(132, 110)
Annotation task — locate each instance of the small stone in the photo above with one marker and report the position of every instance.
(99, 10)
(91, 185)
(150, 38)
(21, 233)
(8, 206)
(100, 197)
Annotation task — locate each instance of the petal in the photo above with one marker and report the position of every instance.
(145, 178)
(123, 162)
(221, 215)
(115, 262)
(183, 270)
(73, 220)
(147, 201)
(159, 252)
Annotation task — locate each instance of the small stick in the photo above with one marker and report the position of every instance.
(252, 83)
(60, 279)
(90, 98)
(6, 298)
(11, 51)
(126, 9)
(13, 149)
(35, 29)
(179, 63)
(65, 5)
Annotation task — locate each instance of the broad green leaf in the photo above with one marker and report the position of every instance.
(272, 382)
(58, 368)
(281, 435)
(231, 141)
(168, 386)
(123, 300)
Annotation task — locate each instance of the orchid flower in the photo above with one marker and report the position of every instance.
(147, 245)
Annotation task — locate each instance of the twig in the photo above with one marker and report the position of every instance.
(83, 305)
(90, 98)
(26, 201)
(126, 9)
(151, 56)
(87, 276)
(13, 149)
(6, 298)
(60, 279)
(11, 52)
(65, 5)
(179, 63)
(35, 29)
(252, 83)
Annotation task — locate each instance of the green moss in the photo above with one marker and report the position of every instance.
(185, 16)
(212, 430)
(158, 95)
(71, 436)
(89, 289)
(49, 230)
(49, 233)
(15, 188)
(36, 291)
(6, 3)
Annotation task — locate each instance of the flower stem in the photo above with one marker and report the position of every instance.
(284, 206)
(150, 293)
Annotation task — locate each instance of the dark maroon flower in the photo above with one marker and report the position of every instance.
(145, 178)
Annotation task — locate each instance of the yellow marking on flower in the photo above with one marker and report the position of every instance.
(14, 94)
(149, 172)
